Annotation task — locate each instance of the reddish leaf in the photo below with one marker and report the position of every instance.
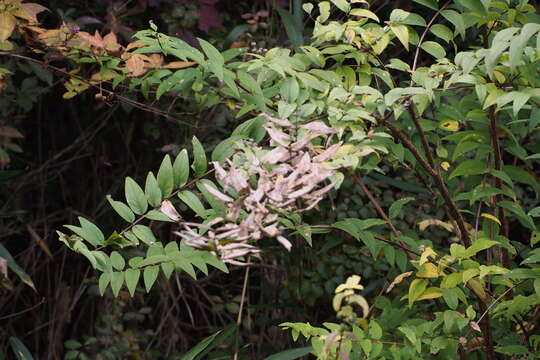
(10, 132)
(30, 11)
(135, 64)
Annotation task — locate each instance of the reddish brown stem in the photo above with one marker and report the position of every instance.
(443, 190)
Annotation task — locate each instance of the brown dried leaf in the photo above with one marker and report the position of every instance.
(3, 267)
(10, 132)
(39, 240)
(135, 64)
(154, 61)
(278, 136)
(327, 154)
(286, 243)
(474, 325)
(276, 155)
(93, 40)
(111, 43)
(168, 209)
(179, 64)
(398, 279)
(218, 194)
(135, 45)
(318, 127)
(280, 122)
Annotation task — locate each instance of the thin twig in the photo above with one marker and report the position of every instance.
(443, 190)
(426, 30)
(242, 300)
(375, 203)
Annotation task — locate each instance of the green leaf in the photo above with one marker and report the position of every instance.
(456, 19)
(342, 5)
(86, 234)
(515, 208)
(200, 164)
(225, 149)
(469, 167)
(200, 347)
(117, 261)
(216, 61)
(135, 197)
(165, 177)
(395, 208)
(95, 236)
(145, 234)
(289, 89)
(416, 289)
(117, 279)
(364, 13)
(121, 209)
(181, 168)
(442, 32)
(324, 10)
(19, 349)
(434, 49)
(132, 278)
(399, 16)
(518, 43)
(402, 33)
(150, 275)
(512, 350)
(432, 4)
(104, 280)
(474, 6)
(292, 28)
(375, 330)
(522, 176)
(291, 354)
(152, 190)
(191, 200)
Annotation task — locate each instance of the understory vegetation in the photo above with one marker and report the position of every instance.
(342, 179)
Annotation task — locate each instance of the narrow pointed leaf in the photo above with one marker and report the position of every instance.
(165, 176)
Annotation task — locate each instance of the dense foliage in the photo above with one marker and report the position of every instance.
(387, 167)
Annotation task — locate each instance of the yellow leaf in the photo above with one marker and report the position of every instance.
(445, 165)
(427, 253)
(364, 13)
(431, 293)
(491, 217)
(499, 76)
(450, 125)
(398, 279)
(478, 289)
(231, 104)
(422, 225)
(350, 35)
(429, 271)
(7, 25)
